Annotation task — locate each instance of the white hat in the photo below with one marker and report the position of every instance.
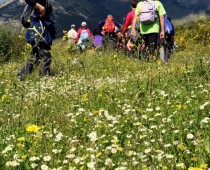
(72, 25)
(83, 24)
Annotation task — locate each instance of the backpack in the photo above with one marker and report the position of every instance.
(84, 35)
(26, 16)
(98, 41)
(169, 28)
(148, 12)
(109, 25)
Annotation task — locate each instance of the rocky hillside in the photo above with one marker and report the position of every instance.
(92, 11)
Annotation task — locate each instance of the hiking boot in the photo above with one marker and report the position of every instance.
(20, 77)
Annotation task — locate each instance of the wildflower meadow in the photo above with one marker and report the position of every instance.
(104, 111)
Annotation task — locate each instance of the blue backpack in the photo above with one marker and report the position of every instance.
(169, 28)
(84, 35)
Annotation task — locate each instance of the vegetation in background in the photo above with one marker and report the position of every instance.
(12, 45)
(109, 111)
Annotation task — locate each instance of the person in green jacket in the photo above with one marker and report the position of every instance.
(151, 32)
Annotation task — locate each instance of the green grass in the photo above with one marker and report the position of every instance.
(107, 112)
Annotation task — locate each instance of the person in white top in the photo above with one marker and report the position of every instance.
(72, 34)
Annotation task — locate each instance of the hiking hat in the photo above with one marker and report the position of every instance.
(83, 24)
(72, 25)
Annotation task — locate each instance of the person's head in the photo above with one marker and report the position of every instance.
(133, 4)
(109, 17)
(73, 26)
(83, 24)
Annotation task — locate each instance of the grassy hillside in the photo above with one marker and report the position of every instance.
(109, 111)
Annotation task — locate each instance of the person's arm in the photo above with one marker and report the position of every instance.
(161, 12)
(41, 9)
(75, 34)
(36, 5)
(133, 31)
(68, 34)
(128, 20)
(162, 25)
(137, 12)
(78, 34)
(88, 30)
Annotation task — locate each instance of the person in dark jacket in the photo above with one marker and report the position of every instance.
(40, 34)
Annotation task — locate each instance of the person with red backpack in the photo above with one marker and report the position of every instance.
(83, 34)
(110, 28)
(109, 25)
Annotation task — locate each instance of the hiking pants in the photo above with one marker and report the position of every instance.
(150, 43)
(41, 57)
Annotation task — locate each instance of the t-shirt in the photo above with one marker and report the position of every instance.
(128, 21)
(153, 27)
(72, 34)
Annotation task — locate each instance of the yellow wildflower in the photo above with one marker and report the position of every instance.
(24, 156)
(98, 154)
(194, 159)
(95, 112)
(182, 147)
(32, 128)
(204, 166)
(194, 168)
(105, 141)
(36, 137)
(21, 139)
(81, 168)
(84, 97)
(179, 106)
(19, 145)
(3, 97)
(165, 168)
(119, 149)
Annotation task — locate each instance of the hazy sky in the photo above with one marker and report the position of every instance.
(2, 0)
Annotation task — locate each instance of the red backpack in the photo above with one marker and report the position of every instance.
(109, 25)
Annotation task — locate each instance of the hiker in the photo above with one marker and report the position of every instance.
(110, 25)
(169, 36)
(131, 42)
(40, 34)
(98, 36)
(151, 27)
(110, 29)
(129, 18)
(166, 45)
(71, 35)
(83, 35)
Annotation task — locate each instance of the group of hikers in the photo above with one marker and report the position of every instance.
(147, 29)
(143, 28)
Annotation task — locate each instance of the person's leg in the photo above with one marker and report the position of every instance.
(28, 68)
(145, 50)
(152, 43)
(45, 59)
(169, 46)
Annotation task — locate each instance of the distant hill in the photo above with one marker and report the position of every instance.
(92, 11)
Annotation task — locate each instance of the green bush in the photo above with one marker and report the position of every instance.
(11, 45)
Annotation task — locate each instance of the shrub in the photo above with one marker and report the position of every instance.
(11, 45)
